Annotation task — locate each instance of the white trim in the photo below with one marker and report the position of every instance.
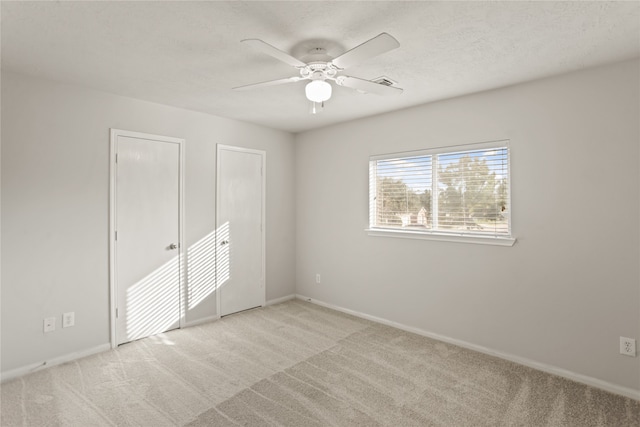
(280, 300)
(215, 239)
(509, 185)
(34, 367)
(263, 156)
(182, 248)
(112, 229)
(443, 149)
(114, 134)
(544, 367)
(478, 239)
(201, 321)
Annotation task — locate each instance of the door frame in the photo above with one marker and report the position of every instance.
(113, 285)
(263, 174)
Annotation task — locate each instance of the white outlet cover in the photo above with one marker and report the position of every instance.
(628, 346)
(68, 319)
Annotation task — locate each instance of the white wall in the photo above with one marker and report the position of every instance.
(569, 287)
(55, 205)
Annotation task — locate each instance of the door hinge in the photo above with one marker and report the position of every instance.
(116, 235)
(116, 157)
(116, 313)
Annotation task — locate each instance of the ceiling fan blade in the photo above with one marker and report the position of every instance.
(269, 83)
(265, 47)
(379, 44)
(367, 86)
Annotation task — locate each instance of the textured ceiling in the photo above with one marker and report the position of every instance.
(188, 54)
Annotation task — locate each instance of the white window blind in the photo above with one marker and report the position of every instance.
(460, 190)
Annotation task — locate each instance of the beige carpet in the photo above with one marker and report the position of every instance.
(298, 364)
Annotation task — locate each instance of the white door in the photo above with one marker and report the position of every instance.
(240, 229)
(147, 235)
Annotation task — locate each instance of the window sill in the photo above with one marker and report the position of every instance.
(444, 237)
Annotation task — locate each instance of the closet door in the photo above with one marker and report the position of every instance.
(147, 236)
(240, 266)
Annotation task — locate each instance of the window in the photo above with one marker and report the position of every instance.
(452, 193)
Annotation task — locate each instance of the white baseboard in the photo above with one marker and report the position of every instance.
(584, 379)
(279, 300)
(200, 321)
(34, 367)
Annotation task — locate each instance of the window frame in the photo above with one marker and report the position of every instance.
(439, 235)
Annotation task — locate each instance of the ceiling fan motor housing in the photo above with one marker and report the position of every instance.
(318, 71)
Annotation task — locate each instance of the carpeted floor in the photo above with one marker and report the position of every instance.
(298, 364)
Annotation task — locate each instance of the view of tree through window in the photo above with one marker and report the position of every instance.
(458, 192)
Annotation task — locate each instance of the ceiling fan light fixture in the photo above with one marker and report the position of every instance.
(318, 91)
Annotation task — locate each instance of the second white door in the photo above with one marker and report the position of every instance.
(240, 229)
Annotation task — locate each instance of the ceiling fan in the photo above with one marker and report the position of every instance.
(320, 68)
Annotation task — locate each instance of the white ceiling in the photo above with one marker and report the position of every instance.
(188, 54)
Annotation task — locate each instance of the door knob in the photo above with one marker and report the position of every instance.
(173, 246)
(224, 242)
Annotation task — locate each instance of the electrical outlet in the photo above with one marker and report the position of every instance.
(49, 324)
(628, 346)
(318, 278)
(68, 319)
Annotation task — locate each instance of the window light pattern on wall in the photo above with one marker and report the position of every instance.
(460, 190)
